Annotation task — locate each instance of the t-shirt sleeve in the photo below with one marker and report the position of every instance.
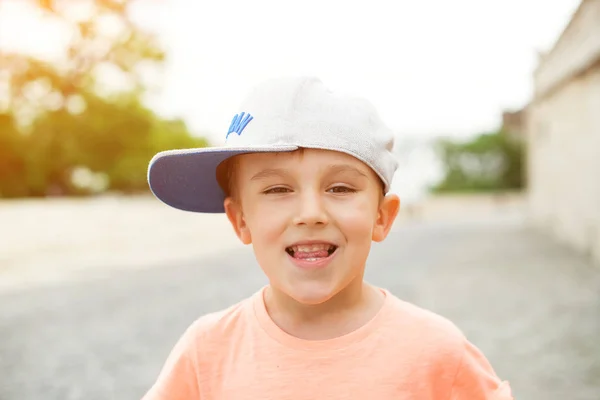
(178, 378)
(476, 379)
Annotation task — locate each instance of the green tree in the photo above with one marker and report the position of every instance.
(62, 118)
(13, 168)
(489, 162)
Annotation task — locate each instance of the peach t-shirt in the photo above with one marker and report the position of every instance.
(403, 353)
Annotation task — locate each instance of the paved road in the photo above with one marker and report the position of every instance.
(532, 306)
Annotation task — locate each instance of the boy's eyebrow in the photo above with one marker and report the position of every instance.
(332, 169)
(266, 173)
(338, 168)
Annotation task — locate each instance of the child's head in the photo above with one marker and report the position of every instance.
(303, 177)
(321, 204)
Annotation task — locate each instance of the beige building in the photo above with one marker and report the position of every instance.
(563, 135)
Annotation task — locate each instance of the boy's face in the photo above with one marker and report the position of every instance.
(311, 216)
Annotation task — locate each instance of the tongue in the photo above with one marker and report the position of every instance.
(311, 254)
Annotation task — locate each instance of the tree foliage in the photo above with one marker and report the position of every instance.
(489, 162)
(60, 119)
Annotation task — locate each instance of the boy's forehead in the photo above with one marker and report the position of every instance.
(299, 158)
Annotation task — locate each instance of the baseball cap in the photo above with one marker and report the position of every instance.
(278, 115)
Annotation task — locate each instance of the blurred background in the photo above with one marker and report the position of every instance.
(496, 106)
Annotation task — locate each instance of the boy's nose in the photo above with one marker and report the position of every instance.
(311, 211)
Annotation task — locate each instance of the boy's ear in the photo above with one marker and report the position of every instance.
(236, 218)
(386, 215)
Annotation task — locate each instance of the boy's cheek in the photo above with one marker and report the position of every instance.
(354, 218)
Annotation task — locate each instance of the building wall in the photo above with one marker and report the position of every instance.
(563, 135)
(577, 47)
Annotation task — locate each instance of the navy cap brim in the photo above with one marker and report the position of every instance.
(186, 179)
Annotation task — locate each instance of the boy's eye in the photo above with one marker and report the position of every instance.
(341, 189)
(335, 189)
(278, 189)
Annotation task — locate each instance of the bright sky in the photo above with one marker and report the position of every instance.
(431, 67)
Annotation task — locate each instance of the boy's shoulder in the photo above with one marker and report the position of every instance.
(423, 337)
(224, 322)
(425, 325)
(441, 344)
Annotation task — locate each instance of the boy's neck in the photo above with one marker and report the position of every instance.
(347, 311)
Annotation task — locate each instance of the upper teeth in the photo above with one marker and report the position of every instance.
(312, 247)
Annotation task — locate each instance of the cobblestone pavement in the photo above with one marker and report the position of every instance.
(531, 305)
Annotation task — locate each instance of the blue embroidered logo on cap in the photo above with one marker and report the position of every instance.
(238, 123)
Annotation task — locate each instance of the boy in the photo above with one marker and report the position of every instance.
(304, 177)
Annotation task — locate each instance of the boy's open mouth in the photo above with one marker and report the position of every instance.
(311, 252)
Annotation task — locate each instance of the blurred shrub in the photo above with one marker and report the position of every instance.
(489, 162)
(62, 132)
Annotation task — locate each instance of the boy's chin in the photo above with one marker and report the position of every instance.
(312, 294)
